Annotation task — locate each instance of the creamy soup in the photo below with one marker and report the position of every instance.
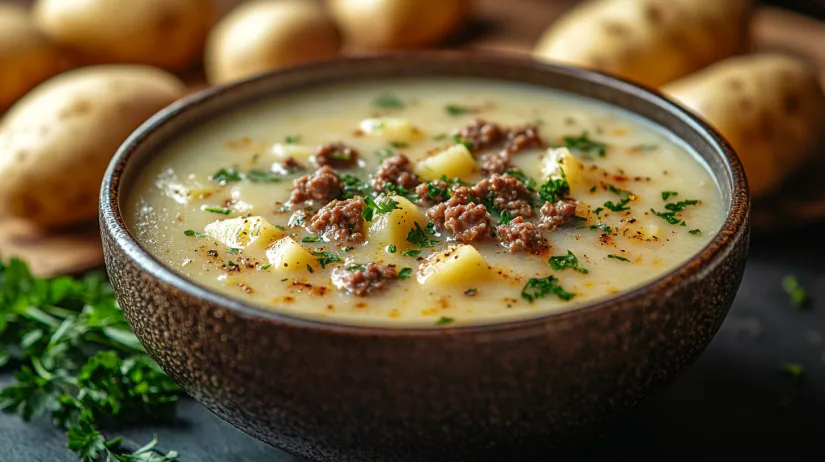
(424, 202)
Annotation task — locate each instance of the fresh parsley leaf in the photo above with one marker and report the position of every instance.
(326, 258)
(617, 207)
(456, 110)
(308, 239)
(679, 206)
(354, 186)
(224, 176)
(383, 153)
(265, 267)
(387, 100)
(598, 210)
(537, 288)
(418, 237)
(792, 370)
(399, 144)
(471, 292)
(392, 248)
(402, 191)
(467, 144)
(411, 253)
(668, 194)
(504, 218)
(216, 209)
(404, 273)
(616, 257)
(670, 217)
(356, 267)
(564, 262)
(233, 251)
(309, 268)
(292, 139)
(583, 143)
(526, 180)
(795, 290)
(554, 190)
(262, 176)
(695, 231)
(444, 320)
(379, 205)
(191, 233)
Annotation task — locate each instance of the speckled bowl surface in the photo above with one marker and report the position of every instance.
(343, 393)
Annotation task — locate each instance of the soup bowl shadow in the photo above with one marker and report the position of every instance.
(348, 393)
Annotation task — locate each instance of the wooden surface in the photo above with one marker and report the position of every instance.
(501, 25)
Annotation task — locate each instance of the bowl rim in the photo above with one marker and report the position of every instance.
(710, 256)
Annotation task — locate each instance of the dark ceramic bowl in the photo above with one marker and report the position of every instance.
(336, 392)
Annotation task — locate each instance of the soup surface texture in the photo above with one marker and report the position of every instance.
(424, 202)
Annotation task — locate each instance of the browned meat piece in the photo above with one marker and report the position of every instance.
(363, 280)
(321, 186)
(506, 193)
(397, 170)
(494, 162)
(337, 155)
(468, 222)
(481, 135)
(339, 221)
(554, 216)
(521, 138)
(461, 196)
(522, 236)
(291, 164)
(433, 192)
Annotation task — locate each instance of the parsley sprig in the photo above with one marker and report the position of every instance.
(564, 262)
(78, 361)
(537, 288)
(583, 143)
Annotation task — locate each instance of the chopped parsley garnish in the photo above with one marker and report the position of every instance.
(191, 233)
(399, 144)
(340, 155)
(444, 320)
(231, 264)
(388, 101)
(695, 231)
(233, 251)
(419, 237)
(402, 191)
(308, 239)
(792, 370)
(430, 228)
(354, 186)
(392, 248)
(673, 209)
(356, 267)
(379, 205)
(404, 273)
(292, 139)
(326, 258)
(616, 257)
(583, 143)
(467, 144)
(434, 191)
(457, 110)
(564, 262)
(215, 209)
(224, 176)
(541, 287)
(554, 190)
(262, 176)
(598, 226)
(280, 227)
(668, 194)
(797, 293)
(593, 188)
(526, 180)
(383, 153)
(679, 206)
(620, 207)
(598, 210)
(504, 218)
(670, 217)
(471, 292)
(309, 268)
(265, 267)
(411, 253)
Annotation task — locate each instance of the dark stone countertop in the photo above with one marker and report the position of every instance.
(733, 403)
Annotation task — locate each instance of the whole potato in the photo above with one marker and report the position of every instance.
(263, 35)
(388, 24)
(165, 33)
(770, 107)
(649, 41)
(27, 57)
(56, 141)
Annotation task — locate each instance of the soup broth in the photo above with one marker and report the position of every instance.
(424, 202)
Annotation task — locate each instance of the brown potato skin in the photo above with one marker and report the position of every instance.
(770, 107)
(56, 142)
(651, 42)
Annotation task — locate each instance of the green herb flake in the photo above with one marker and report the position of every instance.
(224, 176)
(467, 144)
(380, 205)
(564, 262)
(233, 251)
(404, 273)
(399, 144)
(402, 191)
(280, 227)
(541, 287)
(617, 207)
(292, 139)
(593, 188)
(456, 110)
(309, 239)
(554, 190)
(387, 100)
(695, 231)
(326, 258)
(262, 176)
(265, 267)
(384, 153)
(356, 267)
(583, 143)
(309, 268)
(216, 209)
(667, 194)
(471, 292)
(681, 205)
(797, 293)
(528, 182)
(191, 233)
(418, 236)
(411, 253)
(444, 320)
(354, 186)
(793, 370)
(504, 218)
(617, 257)
(392, 248)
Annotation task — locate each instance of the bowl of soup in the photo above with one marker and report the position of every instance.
(424, 256)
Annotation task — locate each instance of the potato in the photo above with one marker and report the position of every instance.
(299, 152)
(393, 227)
(769, 106)
(389, 24)
(56, 141)
(287, 256)
(455, 266)
(263, 35)
(243, 232)
(454, 162)
(165, 33)
(393, 129)
(27, 57)
(649, 41)
(558, 160)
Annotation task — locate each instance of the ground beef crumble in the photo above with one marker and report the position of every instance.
(461, 196)
(339, 221)
(321, 186)
(460, 216)
(291, 164)
(522, 236)
(521, 138)
(397, 170)
(494, 162)
(508, 194)
(373, 277)
(554, 216)
(337, 155)
(480, 135)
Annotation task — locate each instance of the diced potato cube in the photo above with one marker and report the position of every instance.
(243, 232)
(287, 256)
(558, 159)
(391, 129)
(457, 266)
(298, 152)
(393, 227)
(454, 162)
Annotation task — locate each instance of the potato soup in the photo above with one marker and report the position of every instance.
(424, 202)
